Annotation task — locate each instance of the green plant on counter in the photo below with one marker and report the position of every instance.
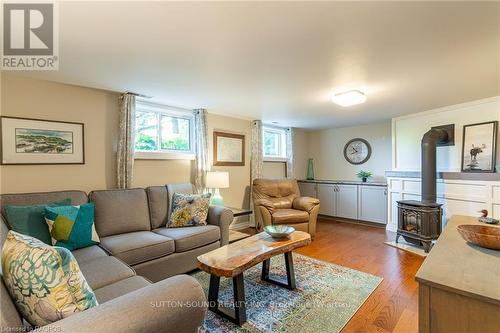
(364, 175)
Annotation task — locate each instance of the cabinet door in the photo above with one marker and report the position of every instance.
(372, 203)
(308, 189)
(347, 201)
(326, 196)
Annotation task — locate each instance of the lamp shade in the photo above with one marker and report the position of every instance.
(217, 179)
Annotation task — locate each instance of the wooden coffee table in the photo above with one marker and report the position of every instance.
(232, 260)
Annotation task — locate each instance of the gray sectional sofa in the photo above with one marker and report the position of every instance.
(134, 271)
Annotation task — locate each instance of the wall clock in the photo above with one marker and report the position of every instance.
(357, 151)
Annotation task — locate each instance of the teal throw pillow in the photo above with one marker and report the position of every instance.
(29, 220)
(72, 227)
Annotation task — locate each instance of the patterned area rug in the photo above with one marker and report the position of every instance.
(326, 298)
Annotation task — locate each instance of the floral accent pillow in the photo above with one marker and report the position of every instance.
(44, 281)
(189, 210)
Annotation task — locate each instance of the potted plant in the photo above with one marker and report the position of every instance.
(364, 175)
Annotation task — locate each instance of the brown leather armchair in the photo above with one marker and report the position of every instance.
(278, 201)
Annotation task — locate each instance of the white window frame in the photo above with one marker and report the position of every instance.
(166, 154)
(282, 132)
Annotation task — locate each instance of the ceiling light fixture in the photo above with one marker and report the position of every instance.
(349, 98)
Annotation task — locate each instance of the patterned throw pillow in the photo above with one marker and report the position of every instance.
(44, 281)
(72, 227)
(189, 210)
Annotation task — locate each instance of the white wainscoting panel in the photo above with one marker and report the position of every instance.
(459, 197)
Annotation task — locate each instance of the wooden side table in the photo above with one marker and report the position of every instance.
(235, 235)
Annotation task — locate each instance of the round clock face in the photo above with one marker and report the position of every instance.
(357, 151)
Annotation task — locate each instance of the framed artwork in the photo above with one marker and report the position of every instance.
(229, 149)
(479, 147)
(38, 141)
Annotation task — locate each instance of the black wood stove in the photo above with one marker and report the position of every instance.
(419, 222)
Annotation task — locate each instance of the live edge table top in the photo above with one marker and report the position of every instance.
(233, 259)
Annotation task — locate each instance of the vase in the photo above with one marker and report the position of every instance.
(310, 169)
(363, 179)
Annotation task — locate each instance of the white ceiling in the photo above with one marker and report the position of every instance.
(280, 61)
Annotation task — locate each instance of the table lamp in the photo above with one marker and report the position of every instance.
(217, 180)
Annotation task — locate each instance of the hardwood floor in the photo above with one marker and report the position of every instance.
(392, 307)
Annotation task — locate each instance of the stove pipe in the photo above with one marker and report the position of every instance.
(429, 143)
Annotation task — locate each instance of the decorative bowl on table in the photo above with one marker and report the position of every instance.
(481, 235)
(279, 231)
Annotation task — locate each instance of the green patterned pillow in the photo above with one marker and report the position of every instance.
(189, 210)
(72, 227)
(45, 282)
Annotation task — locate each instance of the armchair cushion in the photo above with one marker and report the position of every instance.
(287, 216)
(305, 203)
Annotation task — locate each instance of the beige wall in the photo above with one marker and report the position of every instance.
(239, 176)
(408, 131)
(274, 170)
(23, 97)
(326, 148)
(301, 151)
(98, 110)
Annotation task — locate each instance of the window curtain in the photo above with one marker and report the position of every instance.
(256, 162)
(290, 158)
(201, 162)
(126, 141)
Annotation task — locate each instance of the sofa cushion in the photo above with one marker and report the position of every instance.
(285, 216)
(89, 253)
(45, 282)
(136, 247)
(77, 198)
(191, 237)
(158, 205)
(120, 288)
(120, 211)
(103, 271)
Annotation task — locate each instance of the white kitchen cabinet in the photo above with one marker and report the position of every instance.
(347, 201)
(372, 203)
(327, 196)
(308, 189)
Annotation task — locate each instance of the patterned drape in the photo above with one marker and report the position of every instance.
(290, 158)
(126, 141)
(201, 162)
(256, 162)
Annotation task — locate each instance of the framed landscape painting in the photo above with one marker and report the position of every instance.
(37, 141)
(479, 147)
(229, 149)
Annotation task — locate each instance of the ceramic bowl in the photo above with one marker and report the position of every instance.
(481, 235)
(279, 231)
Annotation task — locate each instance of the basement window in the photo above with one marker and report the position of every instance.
(163, 132)
(274, 143)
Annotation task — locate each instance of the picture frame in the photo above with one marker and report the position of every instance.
(228, 149)
(31, 141)
(479, 147)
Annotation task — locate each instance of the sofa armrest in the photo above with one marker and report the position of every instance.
(176, 304)
(222, 217)
(305, 203)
